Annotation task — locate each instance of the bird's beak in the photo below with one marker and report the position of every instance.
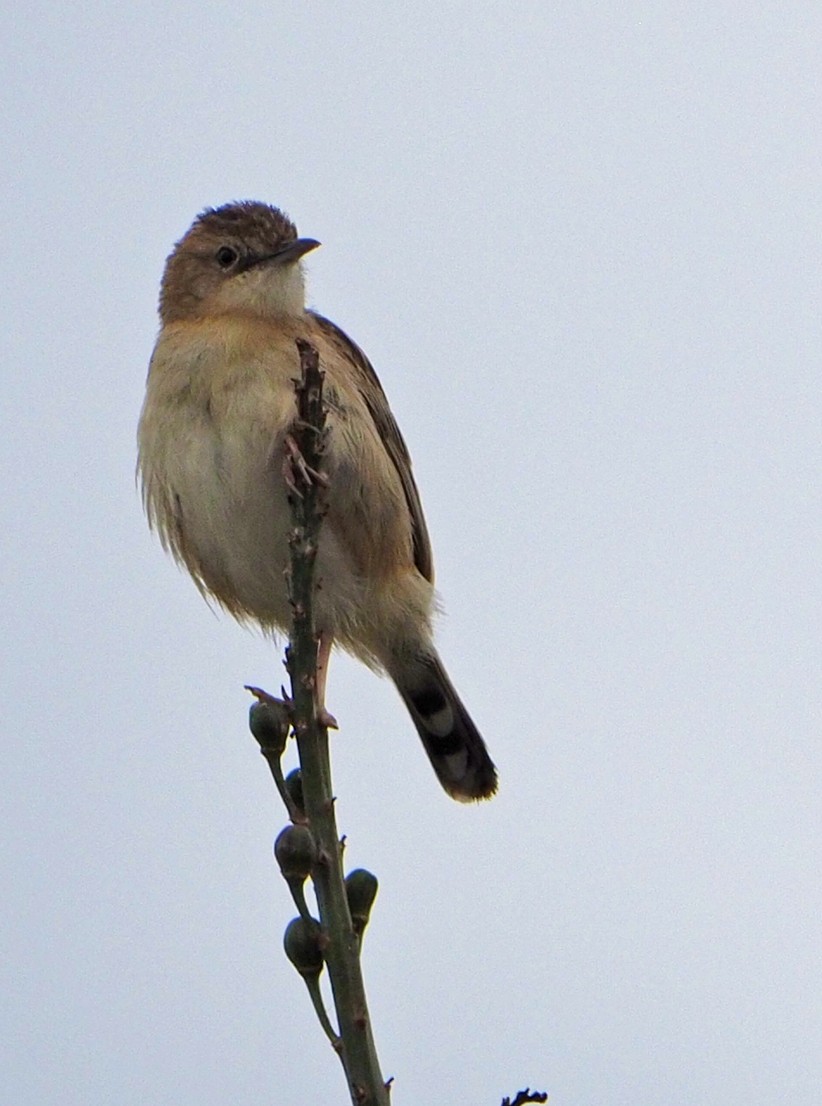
(293, 251)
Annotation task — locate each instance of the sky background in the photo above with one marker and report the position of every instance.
(580, 243)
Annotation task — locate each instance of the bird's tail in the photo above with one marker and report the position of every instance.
(453, 743)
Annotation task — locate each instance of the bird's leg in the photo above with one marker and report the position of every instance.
(324, 643)
(295, 469)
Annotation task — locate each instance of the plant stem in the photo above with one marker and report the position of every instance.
(358, 1053)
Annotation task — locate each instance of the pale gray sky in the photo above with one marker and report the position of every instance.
(581, 245)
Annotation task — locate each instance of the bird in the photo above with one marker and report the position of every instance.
(213, 435)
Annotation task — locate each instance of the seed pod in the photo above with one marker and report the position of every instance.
(269, 721)
(294, 783)
(361, 890)
(302, 945)
(296, 852)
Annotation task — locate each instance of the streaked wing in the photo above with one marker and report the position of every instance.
(390, 436)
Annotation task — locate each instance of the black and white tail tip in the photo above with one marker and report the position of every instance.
(453, 743)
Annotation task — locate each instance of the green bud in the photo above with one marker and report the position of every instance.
(269, 720)
(361, 890)
(294, 783)
(296, 852)
(302, 945)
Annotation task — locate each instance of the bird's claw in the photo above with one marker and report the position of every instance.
(295, 468)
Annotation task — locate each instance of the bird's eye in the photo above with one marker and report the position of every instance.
(226, 257)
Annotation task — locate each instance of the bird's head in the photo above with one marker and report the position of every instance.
(239, 258)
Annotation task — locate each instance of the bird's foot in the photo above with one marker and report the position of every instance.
(296, 472)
